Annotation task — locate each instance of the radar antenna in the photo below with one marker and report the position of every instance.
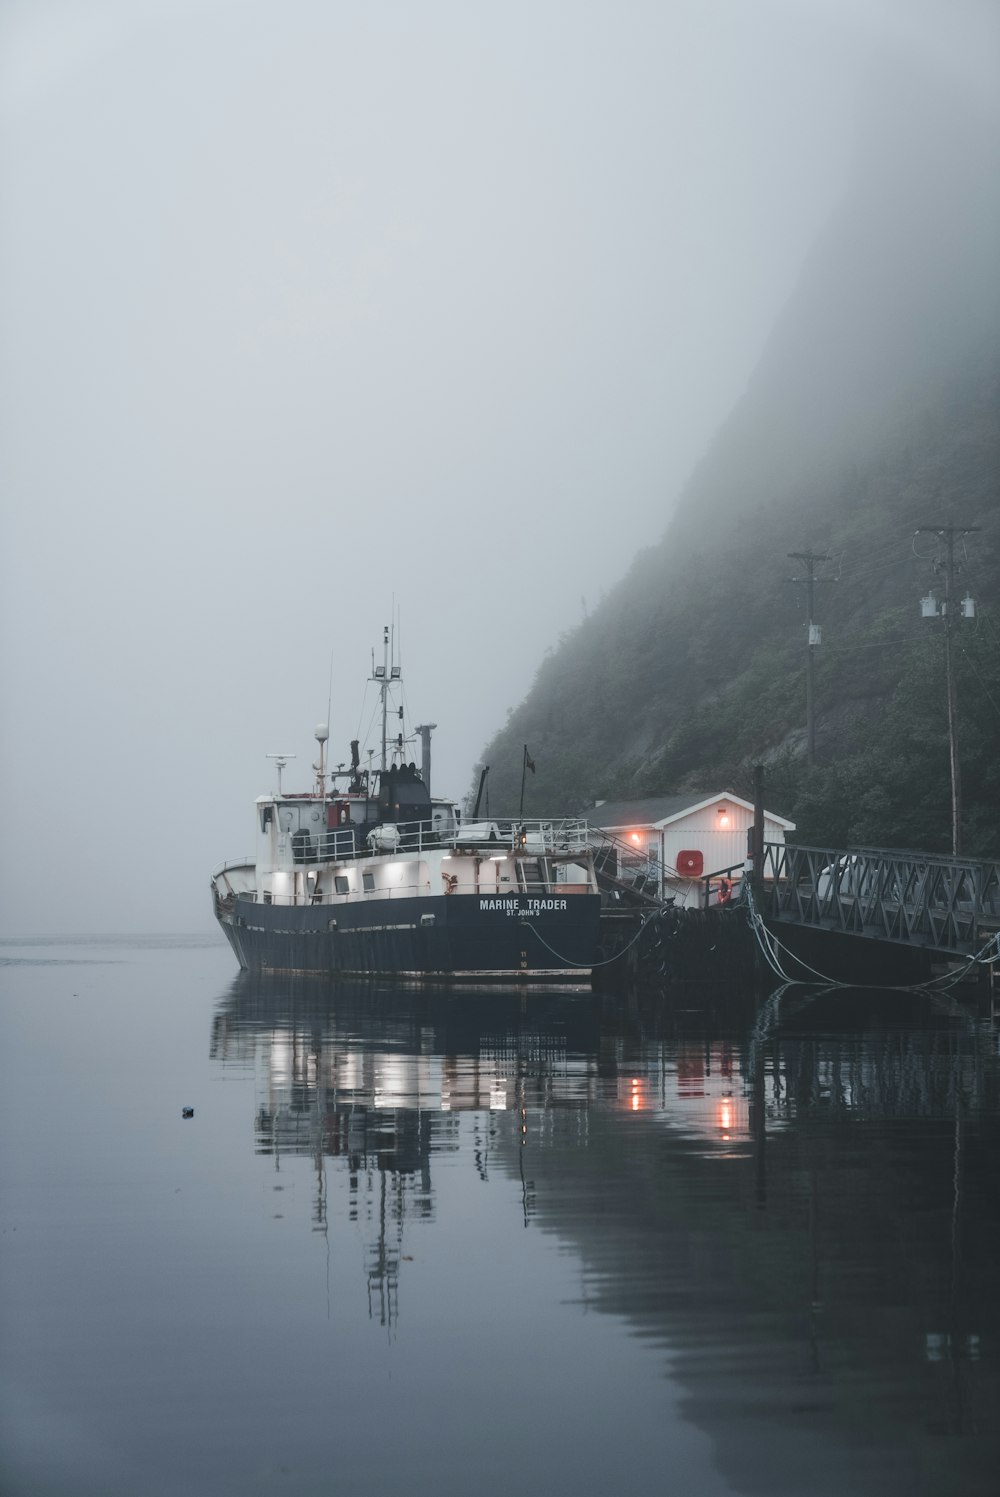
(280, 760)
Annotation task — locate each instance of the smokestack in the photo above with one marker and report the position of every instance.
(425, 730)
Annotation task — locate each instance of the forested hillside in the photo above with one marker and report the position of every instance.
(875, 411)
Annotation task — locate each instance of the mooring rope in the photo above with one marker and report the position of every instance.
(591, 965)
(770, 946)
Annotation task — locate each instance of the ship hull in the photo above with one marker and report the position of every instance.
(508, 938)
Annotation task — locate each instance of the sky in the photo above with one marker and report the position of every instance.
(315, 315)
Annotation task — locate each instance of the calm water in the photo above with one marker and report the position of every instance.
(429, 1244)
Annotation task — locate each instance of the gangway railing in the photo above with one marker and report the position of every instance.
(913, 898)
(638, 875)
(625, 871)
(723, 886)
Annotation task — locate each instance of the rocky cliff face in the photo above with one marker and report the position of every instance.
(875, 410)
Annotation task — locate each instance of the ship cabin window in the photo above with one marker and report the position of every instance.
(266, 817)
(368, 880)
(342, 883)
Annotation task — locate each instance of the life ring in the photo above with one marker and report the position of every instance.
(725, 891)
(450, 882)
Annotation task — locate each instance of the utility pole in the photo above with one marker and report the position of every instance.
(949, 534)
(812, 639)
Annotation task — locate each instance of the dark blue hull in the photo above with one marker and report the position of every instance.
(447, 936)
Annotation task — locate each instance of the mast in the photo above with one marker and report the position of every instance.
(386, 675)
(385, 688)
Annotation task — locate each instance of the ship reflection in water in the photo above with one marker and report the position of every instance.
(798, 1205)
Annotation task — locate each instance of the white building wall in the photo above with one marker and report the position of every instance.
(702, 831)
(721, 846)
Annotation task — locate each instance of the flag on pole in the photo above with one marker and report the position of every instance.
(527, 763)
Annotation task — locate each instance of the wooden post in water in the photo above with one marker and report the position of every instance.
(758, 1121)
(757, 834)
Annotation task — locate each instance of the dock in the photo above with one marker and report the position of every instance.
(910, 915)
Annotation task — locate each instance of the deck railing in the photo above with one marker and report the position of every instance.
(563, 840)
(524, 838)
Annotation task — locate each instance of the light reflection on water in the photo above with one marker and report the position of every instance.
(769, 1196)
(420, 1240)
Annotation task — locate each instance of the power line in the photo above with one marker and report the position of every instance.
(877, 644)
(986, 689)
(875, 564)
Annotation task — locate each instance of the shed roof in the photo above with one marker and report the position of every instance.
(658, 810)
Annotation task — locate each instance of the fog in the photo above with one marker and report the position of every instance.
(318, 315)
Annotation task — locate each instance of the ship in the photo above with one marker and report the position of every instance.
(367, 874)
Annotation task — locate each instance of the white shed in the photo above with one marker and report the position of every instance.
(678, 841)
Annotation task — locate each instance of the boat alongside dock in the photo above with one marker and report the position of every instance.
(367, 874)
(490, 901)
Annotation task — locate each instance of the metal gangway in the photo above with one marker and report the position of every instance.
(630, 875)
(634, 877)
(949, 905)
